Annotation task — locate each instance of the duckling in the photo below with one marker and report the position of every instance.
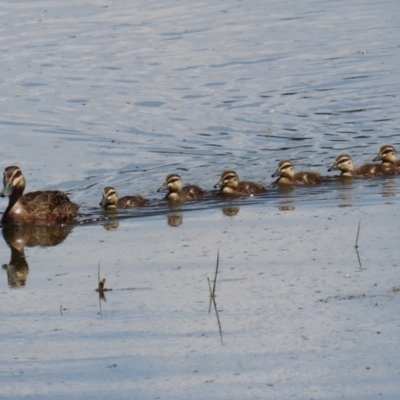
(387, 154)
(230, 184)
(178, 192)
(49, 207)
(287, 176)
(344, 163)
(110, 200)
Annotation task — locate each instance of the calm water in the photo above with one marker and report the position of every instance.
(122, 93)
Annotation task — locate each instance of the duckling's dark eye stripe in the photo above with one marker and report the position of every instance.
(230, 177)
(173, 180)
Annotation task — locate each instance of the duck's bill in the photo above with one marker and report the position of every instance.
(162, 188)
(218, 185)
(334, 167)
(377, 158)
(276, 173)
(7, 190)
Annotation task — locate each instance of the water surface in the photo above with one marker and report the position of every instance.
(122, 94)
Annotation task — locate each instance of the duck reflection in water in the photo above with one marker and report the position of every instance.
(174, 220)
(389, 187)
(345, 191)
(230, 211)
(286, 203)
(111, 225)
(17, 237)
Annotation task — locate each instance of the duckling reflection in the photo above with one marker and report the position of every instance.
(345, 191)
(230, 211)
(175, 206)
(285, 190)
(174, 220)
(17, 237)
(287, 208)
(389, 187)
(111, 225)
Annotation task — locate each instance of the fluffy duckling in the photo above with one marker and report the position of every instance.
(50, 207)
(287, 176)
(110, 200)
(387, 154)
(178, 192)
(344, 163)
(230, 184)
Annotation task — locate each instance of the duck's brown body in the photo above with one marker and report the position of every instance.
(178, 192)
(344, 163)
(229, 184)
(287, 176)
(110, 200)
(50, 207)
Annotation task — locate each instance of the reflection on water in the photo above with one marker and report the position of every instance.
(230, 211)
(175, 205)
(345, 191)
(17, 237)
(286, 203)
(389, 188)
(174, 219)
(285, 190)
(111, 225)
(287, 208)
(17, 269)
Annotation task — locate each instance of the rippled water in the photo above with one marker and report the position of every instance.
(122, 93)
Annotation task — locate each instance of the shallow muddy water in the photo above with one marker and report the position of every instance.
(122, 94)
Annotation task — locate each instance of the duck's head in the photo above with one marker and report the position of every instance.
(13, 181)
(285, 169)
(228, 179)
(173, 183)
(343, 163)
(110, 198)
(387, 154)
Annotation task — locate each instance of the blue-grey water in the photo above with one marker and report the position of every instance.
(122, 93)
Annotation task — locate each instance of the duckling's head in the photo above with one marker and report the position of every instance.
(173, 183)
(13, 181)
(229, 179)
(285, 170)
(343, 163)
(387, 154)
(110, 198)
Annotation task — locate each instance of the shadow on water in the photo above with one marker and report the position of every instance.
(17, 237)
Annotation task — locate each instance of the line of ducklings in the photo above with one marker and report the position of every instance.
(53, 207)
